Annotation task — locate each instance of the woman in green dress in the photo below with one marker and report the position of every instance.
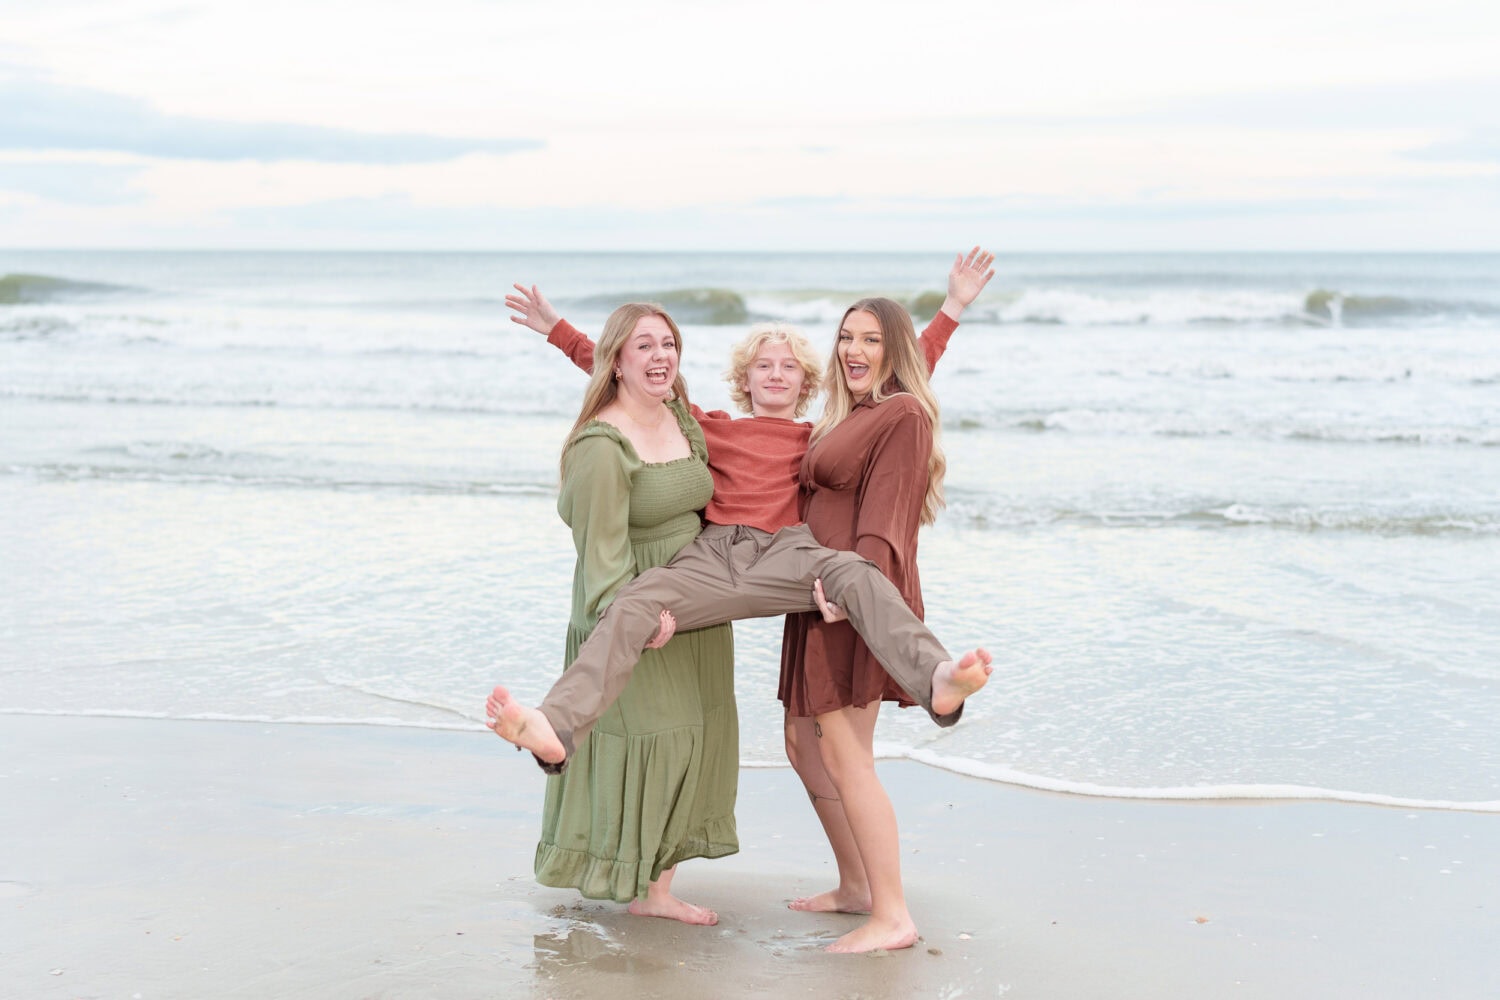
(654, 783)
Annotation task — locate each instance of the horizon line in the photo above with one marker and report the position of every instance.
(738, 251)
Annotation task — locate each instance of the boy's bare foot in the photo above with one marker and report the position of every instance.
(953, 682)
(872, 935)
(833, 901)
(526, 727)
(669, 907)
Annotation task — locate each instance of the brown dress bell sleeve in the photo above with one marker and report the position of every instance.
(865, 483)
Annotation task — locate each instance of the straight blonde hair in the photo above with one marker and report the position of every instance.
(602, 389)
(903, 368)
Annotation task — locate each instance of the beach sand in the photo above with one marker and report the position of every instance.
(151, 858)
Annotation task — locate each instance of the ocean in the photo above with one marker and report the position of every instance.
(1229, 522)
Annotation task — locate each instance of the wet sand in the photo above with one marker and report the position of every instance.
(217, 859)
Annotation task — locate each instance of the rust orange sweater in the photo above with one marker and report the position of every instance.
(755, 461)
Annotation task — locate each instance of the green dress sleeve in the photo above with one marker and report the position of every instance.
(595, 502)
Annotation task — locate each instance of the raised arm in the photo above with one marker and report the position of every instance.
(966, 279)
(534, 312)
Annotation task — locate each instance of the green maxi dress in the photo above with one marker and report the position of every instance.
(654, 783)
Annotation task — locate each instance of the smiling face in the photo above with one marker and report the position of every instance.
(648, 361)
(861, 353)
(774, 381)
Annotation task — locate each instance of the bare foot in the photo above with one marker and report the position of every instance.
(526, 727)
(872, 935)
(833, 901)
(953, 682)
(669, 907)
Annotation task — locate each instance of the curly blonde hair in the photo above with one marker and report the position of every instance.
(745, 352)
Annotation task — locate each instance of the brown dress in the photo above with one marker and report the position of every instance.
(863, 484)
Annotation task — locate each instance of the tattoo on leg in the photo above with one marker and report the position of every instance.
(813, 797)
(817, 729)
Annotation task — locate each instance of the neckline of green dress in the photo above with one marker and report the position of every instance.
(685, 422)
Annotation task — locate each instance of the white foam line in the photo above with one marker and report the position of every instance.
(956, 765)
(1005, 775)
(308, 720)
(397, 699)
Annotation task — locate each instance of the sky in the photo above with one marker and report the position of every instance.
(778, 125)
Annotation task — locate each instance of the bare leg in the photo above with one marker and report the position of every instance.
(852, 894)
(953, 682)
(849, 755)
(660, 902)
(526, 727)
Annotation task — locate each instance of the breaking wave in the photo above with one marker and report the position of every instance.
(1187, 424)
(24, 289)
(992, 512)
(703, 306)
(1063, 306)
(1224, 307)
(1175, 302)
(290, 480)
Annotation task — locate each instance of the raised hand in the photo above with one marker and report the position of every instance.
(968, 277)
(533, 308)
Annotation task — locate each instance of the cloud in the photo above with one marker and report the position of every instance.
(41, 116)
(1481, 146)
(799, 202)
(1437, 216)
(1426, 105)
(73, 183)
(822, 224)
(382, 216)
(1148, 207)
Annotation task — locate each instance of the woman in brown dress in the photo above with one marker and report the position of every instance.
(872, 476)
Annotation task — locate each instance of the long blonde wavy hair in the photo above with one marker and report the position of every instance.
(903, 363)
(602, 388)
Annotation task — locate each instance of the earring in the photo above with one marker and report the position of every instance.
(617, 374)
